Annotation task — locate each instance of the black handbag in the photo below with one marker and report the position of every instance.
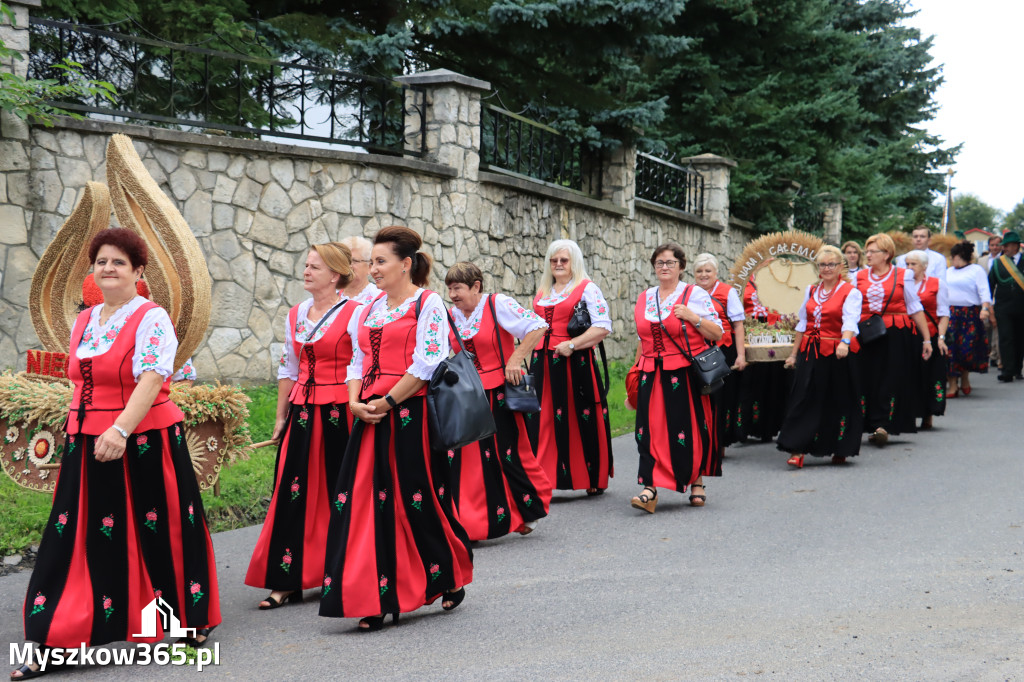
(457, 408)
(873, 328)
(579, 321)
(521, 398)
(710, 365)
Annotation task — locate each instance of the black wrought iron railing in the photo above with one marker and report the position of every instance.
(666, 183)
(197, 88)
(514, 143)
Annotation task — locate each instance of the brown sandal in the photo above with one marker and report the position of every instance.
(645, 501)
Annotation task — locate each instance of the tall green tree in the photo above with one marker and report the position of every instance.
(973, 213)
(1014, 220)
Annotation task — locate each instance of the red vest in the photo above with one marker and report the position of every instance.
(388, 350)
(323, 364)
(720, 299)
(929, 293)
(752, 309)
(103, 383)
(896, 312)
(557, 316)
(484, 345)
(830, 334)
(654, 345)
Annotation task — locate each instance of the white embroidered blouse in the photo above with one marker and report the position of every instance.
(699, 302)
(369, 292)
(878, 296)
(968, 286)
(155, 341)
(288, 365)
(597, 306)
(512, 317)
(431, 334)
(852, 307)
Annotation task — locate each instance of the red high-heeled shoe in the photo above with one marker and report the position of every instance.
(797, 461)
(966, 390)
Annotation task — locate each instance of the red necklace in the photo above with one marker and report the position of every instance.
(823, 296)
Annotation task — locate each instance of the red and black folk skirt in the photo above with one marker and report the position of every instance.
(497, 484)
(290, 552)
(394, 541)
(675, 432)
(890, 376)
(120, 534)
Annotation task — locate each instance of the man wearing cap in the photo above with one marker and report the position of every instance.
(1006, 281)
(921, 237)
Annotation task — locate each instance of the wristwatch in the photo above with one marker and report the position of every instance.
(572, 346)
(698, 323)
(847, 341)
(124, 434)
(390, 400)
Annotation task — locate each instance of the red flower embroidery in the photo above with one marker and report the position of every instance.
(107, 603)
(148, 359)
(435, 572)
(335, 414)
(39, 600)
(403, 413)
(38, 604)
(154, 340)
(433, 347)
(433, 326)
(151, 520)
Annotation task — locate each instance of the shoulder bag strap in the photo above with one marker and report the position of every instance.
(686, 337)
(895, 271)
(323, 319)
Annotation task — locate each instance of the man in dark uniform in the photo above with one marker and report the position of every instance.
(1006, 280)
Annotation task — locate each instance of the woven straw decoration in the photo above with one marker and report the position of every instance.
(177, 274)
(57, 281)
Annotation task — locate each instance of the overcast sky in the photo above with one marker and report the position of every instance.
(979, 44)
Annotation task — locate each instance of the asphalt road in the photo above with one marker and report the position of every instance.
(904, 565)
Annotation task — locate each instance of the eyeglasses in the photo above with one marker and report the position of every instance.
(361, 260)
(659, 264)
(828, 266)
(873, 251)
(559, 261)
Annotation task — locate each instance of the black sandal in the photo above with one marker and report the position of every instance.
(28, 673)
(454, 599)
(374, 623)
(293, 598)
(644, 501)
(698, 500)
(595, 491)
(194, 642)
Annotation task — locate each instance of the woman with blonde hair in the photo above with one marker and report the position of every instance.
(498, 487)
(823, 415)
(675, 421)
(890, 366)
(730, 313)
(574, 444)
(854, 257)
(394, 542)
(312, 430)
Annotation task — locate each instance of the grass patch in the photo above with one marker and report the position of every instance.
(24, 516)
(622, 419)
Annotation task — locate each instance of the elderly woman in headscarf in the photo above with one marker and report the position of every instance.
(729, 309)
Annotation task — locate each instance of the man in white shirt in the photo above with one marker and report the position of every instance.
(921, 237)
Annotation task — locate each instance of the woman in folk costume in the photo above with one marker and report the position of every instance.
(824, 416)
(127, 522)
(574, 444)
(764, 386)
(675, 422)
(394, 542)
(934, 296)
(731, 315)
(890, 365)
(497, 485)
(312, 429)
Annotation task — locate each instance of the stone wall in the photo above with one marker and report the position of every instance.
(256, 206)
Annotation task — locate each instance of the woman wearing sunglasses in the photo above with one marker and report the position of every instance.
(574, 444)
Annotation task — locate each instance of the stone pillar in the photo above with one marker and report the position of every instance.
(618, 177)
(451, 119)
(716, 171)
(833, 223)
(17, 261)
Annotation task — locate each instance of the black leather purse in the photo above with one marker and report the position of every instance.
(710, 365)
(521, 398)
(579, 321)
(457, 409)
(873, 328)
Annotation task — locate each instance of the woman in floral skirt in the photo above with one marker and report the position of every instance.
(970, 305)
(497, 485)
(675, 422)
(574, 442)
(127, 523)
(394, 542)
(313, 423)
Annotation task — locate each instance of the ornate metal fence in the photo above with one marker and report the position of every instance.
(196, 88)
(511, 142)
(670, 185)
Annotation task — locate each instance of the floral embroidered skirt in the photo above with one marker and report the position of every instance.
(120, 534)
(824, 414)
(764, 390)
(394, 541)
(968, 342)
(675, 432)
(890, 369)
(497, 483)
(933, 384)
(574, 443)
(289, 554)
(726, 401)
